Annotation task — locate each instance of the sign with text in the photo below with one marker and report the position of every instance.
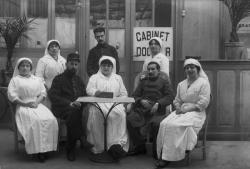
(141, 38)
(244, 25)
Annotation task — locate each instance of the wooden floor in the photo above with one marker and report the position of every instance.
(220, 155)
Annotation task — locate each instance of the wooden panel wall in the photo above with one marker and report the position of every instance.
(226, 95)
(230, 111)
(245, 98)
(201, 29)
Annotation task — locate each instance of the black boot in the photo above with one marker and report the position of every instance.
(71, 155)
(117, 152)
(70, 151)
(140, 149)
(41, 157)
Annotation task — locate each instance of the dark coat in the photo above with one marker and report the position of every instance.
(96, 53)
(155, 90)
(62, 93)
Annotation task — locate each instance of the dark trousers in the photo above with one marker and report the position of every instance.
(154, 133)
(75, 129)
(138, 139)
(135, 135)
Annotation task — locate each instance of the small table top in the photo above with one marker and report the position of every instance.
(92, 99)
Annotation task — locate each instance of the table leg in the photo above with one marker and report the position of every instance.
(103, 157)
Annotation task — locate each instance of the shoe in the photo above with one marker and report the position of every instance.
(71, 155)
(41, 157)
(154, 155)
(141, 149)
(46, 155)
(161, 163)
(117, 152)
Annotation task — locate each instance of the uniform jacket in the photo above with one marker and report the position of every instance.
(62, 93)
(96, 53)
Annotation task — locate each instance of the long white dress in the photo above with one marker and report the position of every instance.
(159, 58)
(116, 127)
(178, 133)
(38, 126)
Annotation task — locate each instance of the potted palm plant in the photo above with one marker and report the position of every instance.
(237, 9)
(12, 29)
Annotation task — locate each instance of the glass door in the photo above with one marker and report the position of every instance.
(110, 14)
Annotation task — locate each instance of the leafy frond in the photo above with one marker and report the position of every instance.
(13, 28)
(238, 9)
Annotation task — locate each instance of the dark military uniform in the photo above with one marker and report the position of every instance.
(96, 53)
(65, 89)
(140, 119)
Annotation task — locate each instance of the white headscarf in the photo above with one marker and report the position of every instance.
(48, 43)
(195, 62)
(16, 71)
(158, 40)
(109, 58)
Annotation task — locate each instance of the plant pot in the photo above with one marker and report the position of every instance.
(235, 51)
(6, 76)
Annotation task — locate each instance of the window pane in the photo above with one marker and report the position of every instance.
(143, 13)
(9, 8)
(65, 22)
(38, 35)
(117, 39)
(163, 13)
(38, 8)
(92, 40)
(116, 13)
(97, 13)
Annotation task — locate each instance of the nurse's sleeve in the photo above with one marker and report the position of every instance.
(40, 70)
(177, 101)
(91, 86)
(165, 65)
(204, 96)
(123, 90)
(12, 91)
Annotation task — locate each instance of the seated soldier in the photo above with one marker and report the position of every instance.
(152, 95)
(64, 91)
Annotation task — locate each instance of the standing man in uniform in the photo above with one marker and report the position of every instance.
(101, 49)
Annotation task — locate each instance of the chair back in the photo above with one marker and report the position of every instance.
(203, 131)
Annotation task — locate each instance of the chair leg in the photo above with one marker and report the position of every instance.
(16, 139)
(59, 135)
(204, 146)
(204, 153)
(204, 150)
(16, 146)
(188, 159)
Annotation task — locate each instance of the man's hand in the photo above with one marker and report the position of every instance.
(97, 93)
(128, 107)
(154, 108)
(145, 103)
(178, 111)
(75, 104)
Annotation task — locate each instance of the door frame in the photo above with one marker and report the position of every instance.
(83, 38)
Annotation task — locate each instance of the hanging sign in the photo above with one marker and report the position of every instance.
(141, 37)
